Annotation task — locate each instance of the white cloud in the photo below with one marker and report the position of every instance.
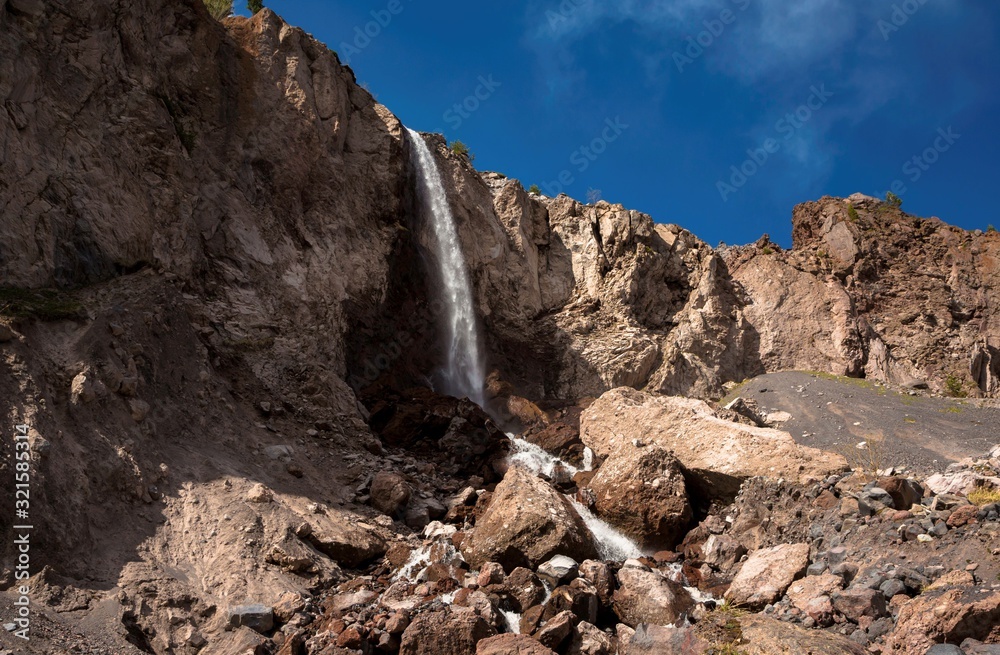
(765, 35)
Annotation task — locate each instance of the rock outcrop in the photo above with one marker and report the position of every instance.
(645, 596)
(767, 574)
(527, 522)
(719, 454)
(641, 491)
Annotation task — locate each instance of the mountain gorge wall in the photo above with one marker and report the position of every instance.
(245, 161)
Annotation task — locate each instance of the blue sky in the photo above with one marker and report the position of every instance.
(718, 115)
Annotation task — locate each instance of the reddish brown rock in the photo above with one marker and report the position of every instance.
(645, 596)
(555, 631)
(509, 644)
(767, 573)
(762, 635)
(949, 611)
(525, 588)
(527, 522)
(905, 492)
(858, 602)
(390, 493)
(641, 491)
(963, 516)
(454, 631)
(812, 595)
(660, 640)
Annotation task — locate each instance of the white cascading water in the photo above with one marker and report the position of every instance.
(463, 373)
(611, 544)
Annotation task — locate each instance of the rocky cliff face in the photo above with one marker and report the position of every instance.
(600, 296)
(215, 288)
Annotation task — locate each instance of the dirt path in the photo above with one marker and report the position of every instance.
(920, 433)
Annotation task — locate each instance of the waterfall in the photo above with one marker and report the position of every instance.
(463, 372)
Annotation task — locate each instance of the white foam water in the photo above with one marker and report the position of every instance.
(463, 373)
(513, 621)
(611, 544)
(535, 458)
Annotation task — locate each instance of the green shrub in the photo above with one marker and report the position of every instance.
(253, 6)
(852, 213)
(990, 229)
(893, 200)
(219, 8)
(767, 250)
(534, 190)
(954, 387)
(462, 150)
(43, 304)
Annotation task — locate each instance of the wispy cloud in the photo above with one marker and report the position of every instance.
(766, 35)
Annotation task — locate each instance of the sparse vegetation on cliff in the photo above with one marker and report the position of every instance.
(893, 200)
(954, 387)
(219, 9)
(462, 150)
(43, 304)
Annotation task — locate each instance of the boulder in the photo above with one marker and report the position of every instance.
(719, 454)
(526, 523)
(812, 596)
(905, 492)
(259, 618)
(956, 482)
(588, 639)
(767, 574)
(556, 630)
(343, 540)
(453, 631)
(722, 552)
(490, 573)
(525, 587)
(86, 388)
(390, 493)
(857, 602)
(559, 438)
(763, 635)
(645, 596)
(509, 644)
(945, 612)
(579, 597)
(260, 494)
(558, 570)
(599, 574)
(658, 640)
(641, 491)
